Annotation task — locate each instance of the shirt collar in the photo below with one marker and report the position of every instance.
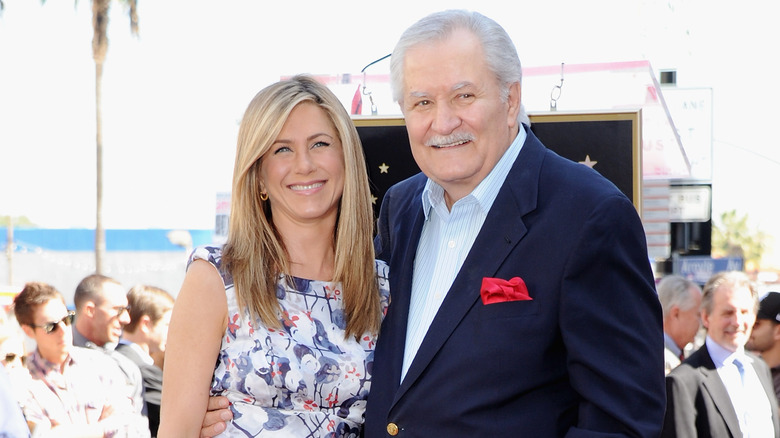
(487, 190)
(671, 345)
(721, 356)
(80, 340)
(146, 357)
(38, 364)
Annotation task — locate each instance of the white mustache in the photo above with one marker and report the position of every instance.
(449, 140)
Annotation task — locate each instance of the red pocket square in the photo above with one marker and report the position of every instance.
(497, 290)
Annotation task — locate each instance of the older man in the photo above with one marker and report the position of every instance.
(523, 300)
(721, 390)
(680, 300)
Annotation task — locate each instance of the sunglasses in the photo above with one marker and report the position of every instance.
(118, 310)
(10, 357)
(51, 326)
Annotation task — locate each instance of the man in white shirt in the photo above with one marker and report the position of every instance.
(721, 390)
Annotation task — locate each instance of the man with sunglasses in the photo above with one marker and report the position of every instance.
(102, 312)
(72, 391)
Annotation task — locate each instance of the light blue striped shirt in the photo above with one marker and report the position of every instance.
(447, 237)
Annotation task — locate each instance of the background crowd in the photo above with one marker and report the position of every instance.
(95, 370)
(705, 329)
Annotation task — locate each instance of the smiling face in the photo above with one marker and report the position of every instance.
(458, 124)
(732, 316)
(303, 171)
(110, 316)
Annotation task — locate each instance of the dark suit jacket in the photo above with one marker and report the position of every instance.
(698, 404)
(583, 358)
(152, 378)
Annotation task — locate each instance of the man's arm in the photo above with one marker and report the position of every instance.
(382, 239)
(611, 325)
(120, 416)
(680, 410)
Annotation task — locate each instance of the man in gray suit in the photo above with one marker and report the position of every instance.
(721, 390)
(680, 301)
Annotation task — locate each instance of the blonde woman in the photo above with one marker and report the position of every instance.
(290, 307)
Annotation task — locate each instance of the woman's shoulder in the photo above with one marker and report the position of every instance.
(209, 253)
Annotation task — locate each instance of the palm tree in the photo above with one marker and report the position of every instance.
(733, 237)
(100, 10)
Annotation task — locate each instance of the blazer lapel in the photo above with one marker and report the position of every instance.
(769, 389)
(407, 234)
(493, 244)
(718, 394)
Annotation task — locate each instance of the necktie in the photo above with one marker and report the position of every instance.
(682, 356)
(741, 369)
(740, 402)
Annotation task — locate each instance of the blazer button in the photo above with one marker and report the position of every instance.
(392, 429)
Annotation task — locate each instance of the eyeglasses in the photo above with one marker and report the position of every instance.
(121, 309)
(51, 326)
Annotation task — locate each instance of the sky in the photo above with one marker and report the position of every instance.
(173, 97)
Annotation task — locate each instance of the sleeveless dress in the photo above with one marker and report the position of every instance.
(304, 380)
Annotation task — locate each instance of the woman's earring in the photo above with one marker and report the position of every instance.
(264, 196)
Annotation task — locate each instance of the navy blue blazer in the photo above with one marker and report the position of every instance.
(583, 358)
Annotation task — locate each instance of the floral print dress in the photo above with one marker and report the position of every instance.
(304, 380)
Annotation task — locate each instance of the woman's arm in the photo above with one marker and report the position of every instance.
(198, 322)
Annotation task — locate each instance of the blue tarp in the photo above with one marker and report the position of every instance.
(31, 239)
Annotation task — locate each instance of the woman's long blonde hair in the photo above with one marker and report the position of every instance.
(255, 255)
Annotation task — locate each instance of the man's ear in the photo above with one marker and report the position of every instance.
(29, 331)
(513, 103)
(145, 324)
(705, 319)
(89, 309)
(776, 331)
